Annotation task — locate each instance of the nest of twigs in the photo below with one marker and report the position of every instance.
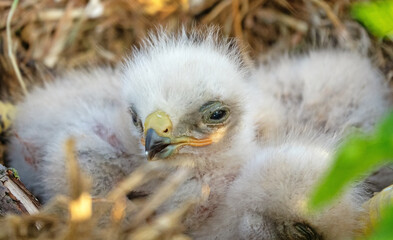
(47, 36)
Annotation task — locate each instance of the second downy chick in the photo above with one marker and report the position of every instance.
(268, 200)
(331, 90)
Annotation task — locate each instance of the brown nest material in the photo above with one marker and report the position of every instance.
(50, 35)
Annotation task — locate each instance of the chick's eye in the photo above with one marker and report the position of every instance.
(135, 120)
(214, 113)
(218, 114)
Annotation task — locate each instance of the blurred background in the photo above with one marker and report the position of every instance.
(48, 36)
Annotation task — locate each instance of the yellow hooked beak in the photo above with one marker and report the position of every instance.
(159, 141)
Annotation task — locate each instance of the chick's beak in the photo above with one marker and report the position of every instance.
(159, 141)
(157, 145)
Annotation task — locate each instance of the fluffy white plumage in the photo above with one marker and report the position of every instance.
(180, 76)
(268, 199)
(323, 94)
(166, 95)
(85, 105)
(331, 90)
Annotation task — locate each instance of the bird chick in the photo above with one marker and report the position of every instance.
(193, 107)
(85, 105)
(269, 198)
(331, 90)
(180, 98)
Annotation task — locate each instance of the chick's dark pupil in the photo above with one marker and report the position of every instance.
(134, 119)
(218, 114)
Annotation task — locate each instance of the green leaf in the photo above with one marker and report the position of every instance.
(376, 16)
(384, 230)
(356, 157)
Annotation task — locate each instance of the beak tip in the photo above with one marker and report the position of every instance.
(154, 144)
(148, 155)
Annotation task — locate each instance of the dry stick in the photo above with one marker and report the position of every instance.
(333, 18)
(237, 20)
(238, 31)
(138, 177)
(286, 4)
(80, 207)
(9, 45)
(167, 222)
(163, 193)
(296, 24)
(77, 185)
(342, 30)
(61, 34)
(254, 5)
(56, 14)
(5, 4)
(216, 11)
(245, 9)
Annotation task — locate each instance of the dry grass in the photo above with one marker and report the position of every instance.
(48, 35)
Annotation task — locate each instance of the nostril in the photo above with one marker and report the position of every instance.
(166, 130)
(137, 194)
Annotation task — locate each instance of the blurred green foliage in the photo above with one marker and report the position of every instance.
(376, 16)
(358, 156)
(384, 230)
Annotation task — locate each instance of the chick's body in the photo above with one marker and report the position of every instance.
(323, 94)
(330, 90)
(268, 200)
(86, 106)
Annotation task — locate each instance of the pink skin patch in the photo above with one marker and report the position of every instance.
(28, 152)
(109, 137)
(206, 210)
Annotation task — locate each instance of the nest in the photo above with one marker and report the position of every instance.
(51, 36)
(48, 36)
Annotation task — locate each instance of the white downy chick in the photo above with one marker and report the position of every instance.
(194, 108)
(268, 200)
(327, 91)
(184, 97)
(85, 105)
(331, 90)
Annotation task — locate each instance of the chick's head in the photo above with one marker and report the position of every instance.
(187, 96)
